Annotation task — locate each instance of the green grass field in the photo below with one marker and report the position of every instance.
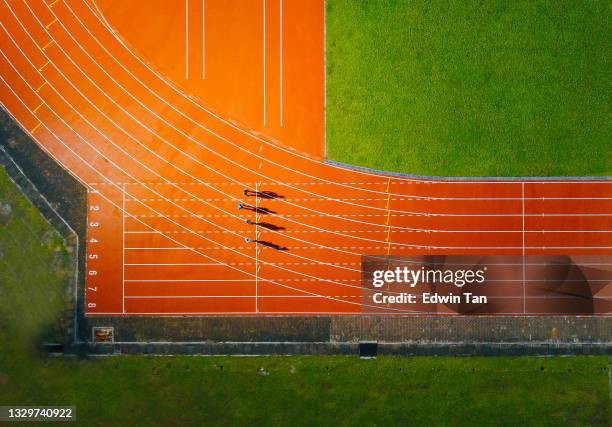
(470, 88)
(225, 391)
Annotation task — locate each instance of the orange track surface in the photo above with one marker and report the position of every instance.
(166, 149)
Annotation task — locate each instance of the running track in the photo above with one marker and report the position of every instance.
(166, 125)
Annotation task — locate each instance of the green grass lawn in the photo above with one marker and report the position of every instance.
(205, 391)
(319, 391)
(470, 88)
(34, 270)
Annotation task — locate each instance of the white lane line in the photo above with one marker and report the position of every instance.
(203, 40)
(186, 39)
(311, 199)
(394, 246)
(384, 183)
(345, 263)
(234, 296)
(188, 280)
(412, 214)
(160, 248)
(291, 313)
(385, 231)
(280, 2)
(516, 282)
(123, 248)
(185, 264)
(256, 248)
(542, 297)
(264, 62)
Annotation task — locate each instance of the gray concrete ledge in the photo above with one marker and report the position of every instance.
(467, 178)
(342, 349)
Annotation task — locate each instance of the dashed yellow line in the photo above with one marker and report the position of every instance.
(47, 45)
(53, 3)
(37, 108)
(35, 127)
(41, 86)
(51, 23)
(44, 65)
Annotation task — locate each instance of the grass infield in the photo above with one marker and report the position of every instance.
(470, 88)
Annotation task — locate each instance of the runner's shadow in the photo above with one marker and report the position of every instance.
(256, 209)
(272, 245)
(263, 211)
(263, 194)
(269, 195)
(269, 226)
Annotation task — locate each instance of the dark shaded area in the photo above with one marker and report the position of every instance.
(487, 284)
(255, 209)
(61, 189)
(269, 226)
(55, 193)
(368, 350)
(263, 194)
(271, 245)
(220, 329)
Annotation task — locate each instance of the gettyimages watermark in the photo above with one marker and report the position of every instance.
(486, 285)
